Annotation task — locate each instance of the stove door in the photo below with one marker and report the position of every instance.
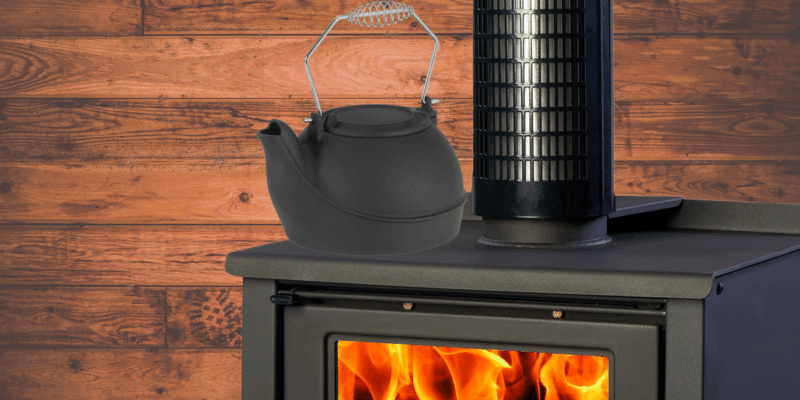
(312, 334)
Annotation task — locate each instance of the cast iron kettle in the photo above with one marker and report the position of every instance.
(367, 179)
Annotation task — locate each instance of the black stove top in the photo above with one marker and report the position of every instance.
(658, 261)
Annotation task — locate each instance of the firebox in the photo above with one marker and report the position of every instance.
(689, 300)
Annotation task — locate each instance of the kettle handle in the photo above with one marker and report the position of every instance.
(376, 14)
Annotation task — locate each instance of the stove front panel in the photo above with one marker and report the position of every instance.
(311, 333)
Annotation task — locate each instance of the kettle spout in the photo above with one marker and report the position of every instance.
(279, 141)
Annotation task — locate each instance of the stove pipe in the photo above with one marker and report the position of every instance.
(543, 121)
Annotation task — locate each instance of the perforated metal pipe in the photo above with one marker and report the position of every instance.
(543, 109)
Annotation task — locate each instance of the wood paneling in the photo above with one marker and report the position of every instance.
(204, 317)
(647, 67)
(120, 374)
(89, 129)
(140, 192)
(707, 130)
(85, 130)
(232, 67)
(710, 67)
(120, 317)
(131, 255)
(189, 192)
(293, 17)
(71, 18)
(775, 182)
(781, 17)
(82, 317)
(455, 16)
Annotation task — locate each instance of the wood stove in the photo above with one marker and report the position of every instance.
(555, 288)
(690, 300)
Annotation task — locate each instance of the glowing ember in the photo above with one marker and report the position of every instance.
(382, 371)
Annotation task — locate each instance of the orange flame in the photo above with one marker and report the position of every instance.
(383, 371)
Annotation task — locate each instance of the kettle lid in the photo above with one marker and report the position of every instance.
(376, 121)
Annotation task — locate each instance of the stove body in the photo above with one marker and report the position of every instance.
(692, 302)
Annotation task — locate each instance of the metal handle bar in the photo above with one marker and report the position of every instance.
(375, 14)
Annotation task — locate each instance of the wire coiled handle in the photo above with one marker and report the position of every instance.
(380, 13)
(375, 14)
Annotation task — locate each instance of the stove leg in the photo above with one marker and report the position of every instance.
(260, 336)
(684, 350)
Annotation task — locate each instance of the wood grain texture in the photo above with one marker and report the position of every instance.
(455, 16)
(292, 17)
(120, 374)
(129, 255)
(82, 317)
(706, 130)
(232, 67)
(70, 18)
(194, 192)
(774, 182)
(204, 317)
(781, 17)
(709, 67)
(647, 67)
(140, 192)
(89, 129)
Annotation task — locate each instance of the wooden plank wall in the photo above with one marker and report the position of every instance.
(129, 165)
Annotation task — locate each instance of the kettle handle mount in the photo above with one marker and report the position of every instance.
(375, 14)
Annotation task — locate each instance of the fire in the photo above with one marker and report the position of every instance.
(383, 371)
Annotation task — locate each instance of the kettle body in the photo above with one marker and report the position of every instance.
(365, 180)
(369, 179)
